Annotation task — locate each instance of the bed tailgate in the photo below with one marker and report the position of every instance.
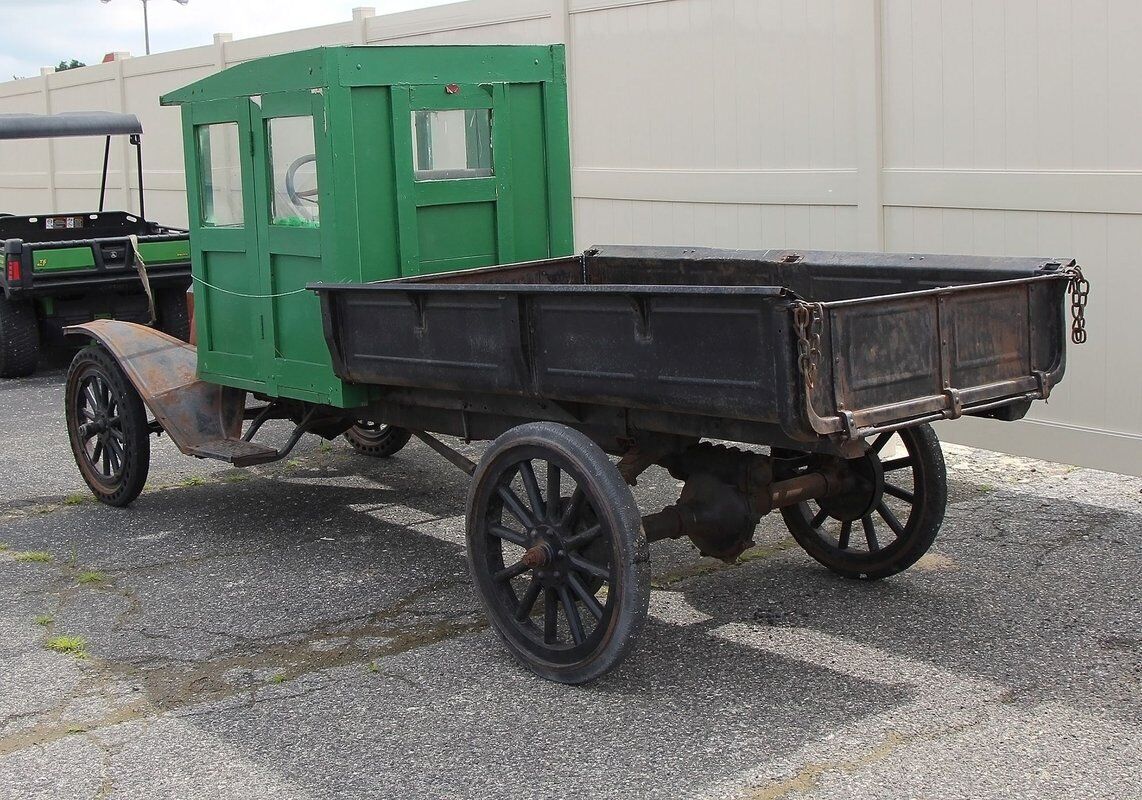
(881, 363)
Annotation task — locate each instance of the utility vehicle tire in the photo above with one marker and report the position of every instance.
(19, 339)
(107, 427)
(903, 497)
(550, 522)
(376, 439)
(172, 312)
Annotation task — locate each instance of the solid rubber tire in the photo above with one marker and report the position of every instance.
(137, 441)
(920, 532)
(613, 500)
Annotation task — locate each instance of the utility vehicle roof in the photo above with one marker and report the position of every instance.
(68, 123)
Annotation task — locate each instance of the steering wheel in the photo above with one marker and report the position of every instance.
(299, 199)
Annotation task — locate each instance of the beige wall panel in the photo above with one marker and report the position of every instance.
(739, 84)
(1014, 85)
(457, 22)
(745, 226)
(524, 32)
(258, 46)
(23, 164)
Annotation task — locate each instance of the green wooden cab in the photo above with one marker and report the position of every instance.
(357, 164)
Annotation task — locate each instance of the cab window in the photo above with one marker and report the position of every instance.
(452, 144)
(220, 177)
(296, 201)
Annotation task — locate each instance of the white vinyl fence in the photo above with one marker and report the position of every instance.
(961, 126)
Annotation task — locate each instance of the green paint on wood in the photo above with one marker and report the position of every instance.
(379, 217)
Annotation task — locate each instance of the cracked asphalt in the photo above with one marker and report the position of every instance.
(307, 630)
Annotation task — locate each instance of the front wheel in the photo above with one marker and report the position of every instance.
(107, 427)
(557, 552)
(890, 517)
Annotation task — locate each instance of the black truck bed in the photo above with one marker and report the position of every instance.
(815, 345)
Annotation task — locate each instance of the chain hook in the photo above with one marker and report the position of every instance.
(1080, 294)
(807, 320)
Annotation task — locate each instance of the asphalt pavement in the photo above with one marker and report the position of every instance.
(307, 630)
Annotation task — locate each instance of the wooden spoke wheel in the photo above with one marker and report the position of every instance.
(887, 520)
(376, 439)
(557, 552)
(107, 427)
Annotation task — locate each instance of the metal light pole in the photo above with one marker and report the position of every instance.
(146, 23)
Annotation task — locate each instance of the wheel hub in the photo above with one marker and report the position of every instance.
(538, 556)
(864, 481)
(547, 556)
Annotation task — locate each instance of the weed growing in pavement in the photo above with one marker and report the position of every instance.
(4, 546)
(372, 667)
(33, 556)
(194, 480)
(72, 645)
(45, 619)
(75, 499)
(91, 576)
(279, 678)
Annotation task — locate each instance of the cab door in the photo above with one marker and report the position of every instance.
(293, 150)
(230, 306)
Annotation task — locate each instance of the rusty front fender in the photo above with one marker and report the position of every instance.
(163, 371)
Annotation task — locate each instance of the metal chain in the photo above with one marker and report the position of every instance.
(1080, 292)
(807, 321)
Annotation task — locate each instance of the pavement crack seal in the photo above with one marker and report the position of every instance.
(168, 685)
(171, 684)
(56, 729)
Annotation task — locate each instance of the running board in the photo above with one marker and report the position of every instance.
(236, 451)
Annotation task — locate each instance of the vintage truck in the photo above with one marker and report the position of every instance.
(64, 268)
(381, 247)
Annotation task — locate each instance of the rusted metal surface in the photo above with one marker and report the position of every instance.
(538, 556)
(457, 458)
(894, 361)
(194, 413)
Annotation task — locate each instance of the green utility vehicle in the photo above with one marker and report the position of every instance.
(70, 267)
(381, 247)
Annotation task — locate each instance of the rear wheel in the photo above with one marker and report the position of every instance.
(107, 427)
(19, 339)
(891, 516)
(376, 439)
(557, 552)
(173, 314)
